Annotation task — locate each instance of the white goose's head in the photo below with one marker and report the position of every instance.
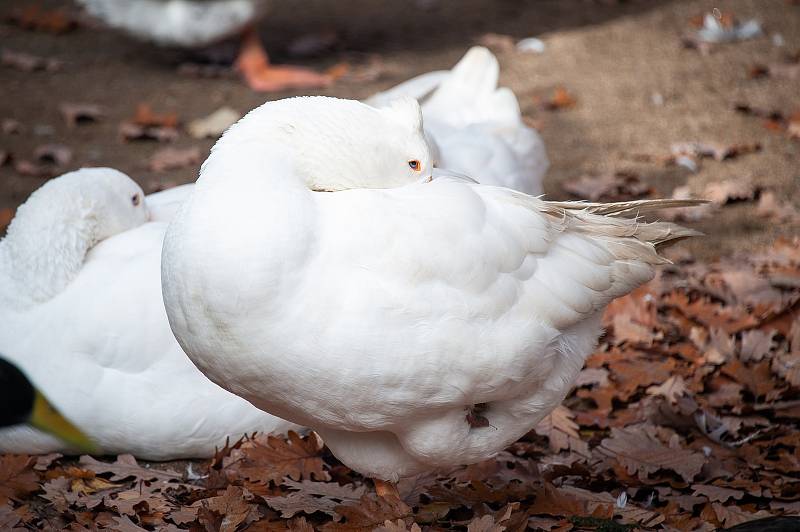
(332, 144)
(52, 231)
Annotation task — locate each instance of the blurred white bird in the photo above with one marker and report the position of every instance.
(197, 23)
(473, 126)
(83, 317)
(325, 271)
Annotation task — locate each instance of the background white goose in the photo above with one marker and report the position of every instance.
(324, 273)
(197, 23)
(82, 314)
(475, 127)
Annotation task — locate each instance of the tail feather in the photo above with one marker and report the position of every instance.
(629, 237)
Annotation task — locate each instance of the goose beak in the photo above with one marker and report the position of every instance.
(45, 417)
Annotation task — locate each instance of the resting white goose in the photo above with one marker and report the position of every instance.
(474, 127)
(323, 272)
(83, 317)
(197, 23)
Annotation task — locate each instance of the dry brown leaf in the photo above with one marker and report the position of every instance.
(730, 516)
(80, 113)
(17, 477)
(725, 192)
(640, 452)
(173, 158)
(36, 18)
(769, 206)
(213, 125)
(560, 100)
(266, 459)
(368, 514)
(562, 432)
(28, 62)
(671, 389)
(313, 497)
(717, 493)
(552, 501)
(497, 42)
(126, 467)
(619, 186)
(130, 131)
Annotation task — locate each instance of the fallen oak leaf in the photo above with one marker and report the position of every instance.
(173, 158)
(17, 477)
(145, 116)
(368, 514)
(34, 18)
(397, 526)
(716, 493)
(562, 432)
(233, 506)
(213, 125)
(265, 459)
(79, 113)
(636, 449)
(28, 62)
(560, 100)
(311, 497)
(126, 467)
(619, 186)
(729, 516)
(497, 42)
(725, 192)
(130, 131)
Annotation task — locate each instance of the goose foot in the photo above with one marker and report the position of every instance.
(253, 63)
(387, 490)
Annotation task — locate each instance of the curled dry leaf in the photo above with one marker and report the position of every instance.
(49, 159)
(80, 113)
(639, 452)
(770, 207)
(730, 191)
(172, 158)
(213, 125)
(497, 42)
(28, 62)
(36, 18)
(560, 100)
(619, 186)
(17, 477)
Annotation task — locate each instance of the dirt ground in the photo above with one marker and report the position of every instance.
(617, 58)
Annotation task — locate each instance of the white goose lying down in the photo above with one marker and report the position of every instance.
(324, 272)
(474, 127)
(100, 389)
(82, 315)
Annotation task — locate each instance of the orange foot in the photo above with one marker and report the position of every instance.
(253, 63)
(387, 490)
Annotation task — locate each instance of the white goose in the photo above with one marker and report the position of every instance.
(82, 315)
(474, 127)
(197, 23)
(321, 271)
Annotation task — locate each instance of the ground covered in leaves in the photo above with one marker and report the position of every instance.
(685, 418)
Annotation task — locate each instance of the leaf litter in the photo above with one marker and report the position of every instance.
(685, 418)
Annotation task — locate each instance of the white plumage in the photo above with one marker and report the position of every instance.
(379, 311)
(82, 314)
(185, 23)
(475, 127)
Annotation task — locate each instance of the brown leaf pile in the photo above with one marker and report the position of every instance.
(685, 418)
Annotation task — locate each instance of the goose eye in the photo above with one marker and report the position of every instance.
(136, 199)
(415, 165)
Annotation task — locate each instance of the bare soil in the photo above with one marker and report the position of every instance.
(617, 58)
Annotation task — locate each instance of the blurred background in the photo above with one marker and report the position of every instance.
(629, 100)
